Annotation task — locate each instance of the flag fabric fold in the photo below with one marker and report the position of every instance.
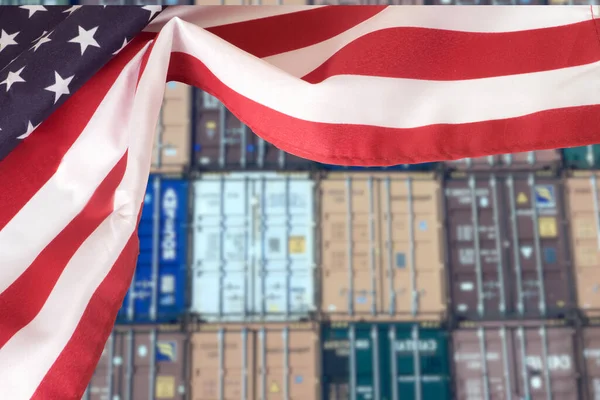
(339, 85)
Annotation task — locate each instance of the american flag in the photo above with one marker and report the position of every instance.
(81, 90)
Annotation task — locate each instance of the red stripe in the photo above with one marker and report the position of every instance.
(346, 144)
(433, 54)
(23, 300)
(69, 375)
(31, 164)
(278, 34)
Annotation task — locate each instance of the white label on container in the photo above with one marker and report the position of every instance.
(536, 382)
(117, 360)
(332, 307)
(204, 160)
(483, 202)
(462, 307)
(167, 284)
(466, 256)
(467, 286)
(116, 397)
(464, 233)
(181, 389)
(170, 152)
(142, 351)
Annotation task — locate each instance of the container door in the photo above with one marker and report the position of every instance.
(221, 250)
(419, 363)
(157, 292)
(282, 224)
(351, 363)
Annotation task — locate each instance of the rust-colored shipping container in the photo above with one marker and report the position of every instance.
(221, 141)
(589, 342)
(512, 360)
(584, 219)
(252, 362)
(530, 160)
(140, 362)
(508, 254)
(382, 247)
(172, 151)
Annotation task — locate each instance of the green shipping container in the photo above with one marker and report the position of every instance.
(381, 361)
(584, 157)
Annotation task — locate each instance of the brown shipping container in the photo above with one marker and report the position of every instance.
(508, 360)
(126, 369)
(252, 362)
(542, 159)
(507, 247)
(223, 142)
(590, 350)
(377, 267)
(171, 153)
(584, 217)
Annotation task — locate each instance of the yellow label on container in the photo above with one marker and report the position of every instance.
(211, 125)
(297, 244)
(274, 388)
(165, 387)
(547, 227)
(522, 198)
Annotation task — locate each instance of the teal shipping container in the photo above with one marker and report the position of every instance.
(385, 361)
(584, 157)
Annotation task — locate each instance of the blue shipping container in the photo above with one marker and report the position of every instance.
(165, 299)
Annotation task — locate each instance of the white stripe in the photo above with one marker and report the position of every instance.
(28, 355)
(211, 16)
(93, 155)
(375, 101)
(467, 19)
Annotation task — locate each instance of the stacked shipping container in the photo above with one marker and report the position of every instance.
(284, 282)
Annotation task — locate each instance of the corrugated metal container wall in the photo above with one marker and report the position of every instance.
(140, 363)
(382, 251)
(531, 160)
(590, 351)
(221, 141)
(272, 362)
(253, 247)
(384, 361)
(584, 157)
(506, 360)
(172, 151)
(507, 247)
(584, 218)
(158, 290)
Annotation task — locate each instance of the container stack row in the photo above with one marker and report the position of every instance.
(262, 275)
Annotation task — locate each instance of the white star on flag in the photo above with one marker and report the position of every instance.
(33, 9)
(125, 43)
(60, 87)
(72, 10)
(85, 39)
(13, 77)
(30, 129)
(153, 10)
(41, 40)
(7, 40)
